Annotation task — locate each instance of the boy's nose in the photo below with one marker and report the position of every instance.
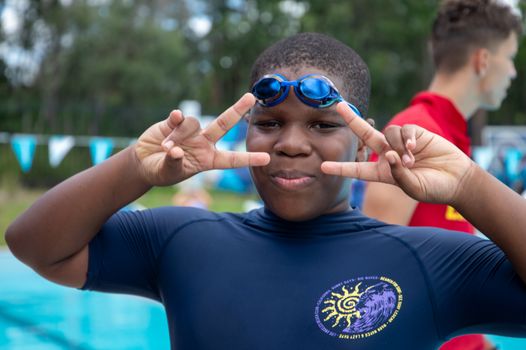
(513, 73)
(293, 142)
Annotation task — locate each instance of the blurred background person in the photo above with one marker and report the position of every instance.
(192, 193)
(473, 44)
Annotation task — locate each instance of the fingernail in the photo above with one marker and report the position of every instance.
(406, 159)
(168, 144)
(174, 153)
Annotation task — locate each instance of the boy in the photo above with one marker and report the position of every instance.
(473, 44)
(306, 271)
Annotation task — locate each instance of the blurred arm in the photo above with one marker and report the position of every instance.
(388, 203)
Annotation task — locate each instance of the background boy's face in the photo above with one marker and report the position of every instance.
(299, 138)
(501, 71)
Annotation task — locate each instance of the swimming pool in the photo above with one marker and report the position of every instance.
(38, 315)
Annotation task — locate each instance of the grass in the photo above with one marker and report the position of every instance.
(12, 203)
(14, 200)
(221, 200)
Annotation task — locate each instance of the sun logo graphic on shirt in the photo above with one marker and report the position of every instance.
(359, 308)
(342, 306)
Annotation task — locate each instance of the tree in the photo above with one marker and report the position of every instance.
(391, 36)
(109, 68)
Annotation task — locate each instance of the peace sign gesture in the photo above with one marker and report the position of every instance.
(424, 165)
(177, 148)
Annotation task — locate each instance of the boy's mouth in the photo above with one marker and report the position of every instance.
(292, 180)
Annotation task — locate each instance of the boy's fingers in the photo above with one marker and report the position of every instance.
(393, 135)
(219, 127)
(180, 132)
(403, 176)
(174, 119)
(176, 153)
(409, 135)
(367, 171)
(361, 128)
(231, 159)
(398, 138)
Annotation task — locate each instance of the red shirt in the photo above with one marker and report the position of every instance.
(437, 114)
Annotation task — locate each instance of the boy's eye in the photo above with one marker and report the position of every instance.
(267, 124)
(325, 126)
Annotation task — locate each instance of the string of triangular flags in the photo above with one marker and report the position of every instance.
(508, 164)
(101, 148)
(24, 146)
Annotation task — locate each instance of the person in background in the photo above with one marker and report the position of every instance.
(473, 44)
(192, 193)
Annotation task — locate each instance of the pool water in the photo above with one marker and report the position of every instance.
(503, 343)
(38, 315)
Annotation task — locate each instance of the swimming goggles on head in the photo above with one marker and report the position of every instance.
(314, 90)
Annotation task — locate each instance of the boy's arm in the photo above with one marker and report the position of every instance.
(497, 211)
(52, 236)
(431, 169)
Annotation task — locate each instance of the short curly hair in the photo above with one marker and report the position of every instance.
(463, 25)
(323, 52)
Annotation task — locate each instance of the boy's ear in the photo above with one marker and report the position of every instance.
(481, 61)
(362, 154)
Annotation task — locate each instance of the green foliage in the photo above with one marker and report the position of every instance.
(237, 36)
(109, 69)
(391, 37)
(115, 67)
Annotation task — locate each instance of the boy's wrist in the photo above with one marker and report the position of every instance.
(467, 186)
(135, 168)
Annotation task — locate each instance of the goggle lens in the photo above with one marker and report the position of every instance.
(267, 88)
(315, 88)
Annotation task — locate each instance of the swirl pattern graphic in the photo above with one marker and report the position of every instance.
(359, 307)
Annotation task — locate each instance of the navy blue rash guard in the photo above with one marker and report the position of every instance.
(342, 281)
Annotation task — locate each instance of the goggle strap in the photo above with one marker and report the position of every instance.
(354, 109)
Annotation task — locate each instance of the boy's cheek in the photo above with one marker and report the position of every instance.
(256, 143)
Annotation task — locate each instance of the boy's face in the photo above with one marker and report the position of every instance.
(501, 71)
(299, 138)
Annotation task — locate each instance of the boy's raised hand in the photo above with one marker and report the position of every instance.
(424, 165)
(177, 148)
